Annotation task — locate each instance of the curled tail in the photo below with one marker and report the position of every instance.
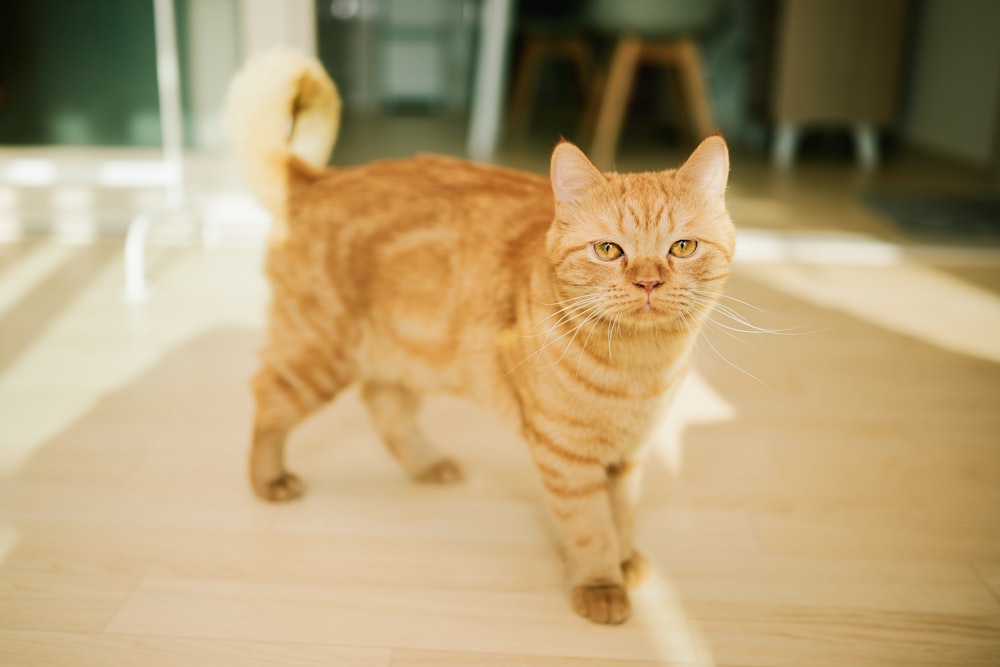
(280, 106)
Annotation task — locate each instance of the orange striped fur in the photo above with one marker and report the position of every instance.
(433, 274)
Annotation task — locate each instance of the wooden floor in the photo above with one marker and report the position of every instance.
(825, 495)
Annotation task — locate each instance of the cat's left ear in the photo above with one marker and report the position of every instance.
(573, 175)
(708, 167)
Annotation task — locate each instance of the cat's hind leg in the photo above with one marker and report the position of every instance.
(394, 410)
(285, 393)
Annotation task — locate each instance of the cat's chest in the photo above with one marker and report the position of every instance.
(611, 414)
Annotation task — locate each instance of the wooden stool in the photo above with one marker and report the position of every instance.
(680, 55)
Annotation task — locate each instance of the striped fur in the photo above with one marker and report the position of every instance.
(433, 274)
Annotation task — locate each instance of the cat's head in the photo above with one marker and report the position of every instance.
(650, 249)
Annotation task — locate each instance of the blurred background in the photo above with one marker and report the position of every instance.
(884, 87)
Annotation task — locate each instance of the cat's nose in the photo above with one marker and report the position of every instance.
(648, 285)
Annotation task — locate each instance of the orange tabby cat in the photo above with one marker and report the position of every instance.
(569, 306)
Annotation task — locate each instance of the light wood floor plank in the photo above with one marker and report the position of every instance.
(39, 599)
(416, 658)
(790, 636)
(291, 558)
(492, 622)
(61, 649)
(989, 574)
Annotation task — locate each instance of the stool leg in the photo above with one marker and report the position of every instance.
(866, 145)
(525, 84)
(675, 100)
(594, 94)
(583, 60)
(614, 100)
(693, 79)
(786, 141)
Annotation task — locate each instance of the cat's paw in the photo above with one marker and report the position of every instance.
(445, 471)
(285, 487)
(637, 570)
(601, 603)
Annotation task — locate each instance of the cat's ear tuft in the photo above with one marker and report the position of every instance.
(573, 175)
(708, 167)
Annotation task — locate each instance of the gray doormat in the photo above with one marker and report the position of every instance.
(946, 219)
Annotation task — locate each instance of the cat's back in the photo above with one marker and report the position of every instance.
(425, 253)
(425, 190)
(429, 216)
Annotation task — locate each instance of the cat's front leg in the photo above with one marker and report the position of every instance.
(624, 485)
(577, 488)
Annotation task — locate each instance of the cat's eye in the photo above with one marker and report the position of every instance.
(607, 250)
(683, 248)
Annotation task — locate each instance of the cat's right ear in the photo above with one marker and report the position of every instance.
(573, 175)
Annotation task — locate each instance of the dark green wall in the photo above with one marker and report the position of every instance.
(78, 72)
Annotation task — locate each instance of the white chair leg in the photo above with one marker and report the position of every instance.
(210, 229)
(866, 145)
(136, 287)
(786, 142)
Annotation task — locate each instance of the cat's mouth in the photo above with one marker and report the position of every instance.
(649, 307)
(652, 312)
(649, 310)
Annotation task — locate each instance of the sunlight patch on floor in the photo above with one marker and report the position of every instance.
(910, 299)
(696, 403)
(679, 641)
(66, 369)
(34, 267)
(8, 538)
(758, 246)
(755, 246)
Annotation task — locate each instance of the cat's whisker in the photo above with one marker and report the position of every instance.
(733, 315)
(593, 314)
(546, 344)
(719, 354)
(577, 311)
(684, 312)
(744, 325)
(729, 331)
(573, 298)
(584, 315)
(730, 363)
(611, 330)
(739, 318)
(741, 302)
(572, 306)
(596, 321)
(569, 344)
(566, 312)
(751, 329)
(566, 315)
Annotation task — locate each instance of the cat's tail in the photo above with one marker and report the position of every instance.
(280, 107)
